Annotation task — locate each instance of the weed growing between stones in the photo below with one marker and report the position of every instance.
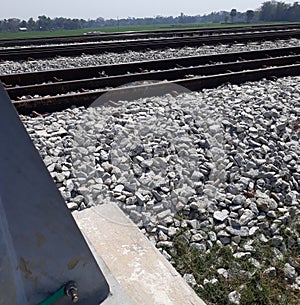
(264, 276)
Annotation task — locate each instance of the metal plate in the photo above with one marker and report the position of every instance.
(41, 247)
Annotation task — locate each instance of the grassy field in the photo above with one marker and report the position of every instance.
(117, 29)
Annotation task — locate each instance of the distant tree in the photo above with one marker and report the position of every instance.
(293, 12)
(58, 23)
(31, 26)
(268, 11)
(4, 25)
(181, 17)
(249, 15)
(281, 11)
(43, 23)
(100, 21)
(233, 14)
(13, 24)
(72, 24)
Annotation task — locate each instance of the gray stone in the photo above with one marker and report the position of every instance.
(162, 236)
(119, 188)
(72, 206)
(194, 223)
(212, 281)
(164, 214)
(270, 272)
(172, 231)
(201, 247)
(60, 177)
(221, 215)
(138, 171)
(233, 214)
(277, 254)
(234, 297)
(51, 167)
(263, 238)
(272, 214)
(157, 196)
(197, 176)
(239, 160)
(242, 231)
(234, 222)
(194, 205)
(163, 229)
(242, 254)
(212, 236)
(135, 216)
(107, 167)
(165, 244)
(246, 217)
(239, 200)
(253, 208)
(197, 237)
(225, 240)
(140, 198)
(104, 155)
(289, 271)
(190, 279)
(236, 239)
(223, 272)
(253, 230)
(263, 204)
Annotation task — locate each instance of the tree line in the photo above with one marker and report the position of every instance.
(270, 11)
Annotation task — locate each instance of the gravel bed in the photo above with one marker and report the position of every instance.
(221, 164)
(8, 67)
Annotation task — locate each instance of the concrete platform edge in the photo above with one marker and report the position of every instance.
(143, 272)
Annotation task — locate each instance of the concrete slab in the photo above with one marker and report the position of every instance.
(117, 294)
(144, 274)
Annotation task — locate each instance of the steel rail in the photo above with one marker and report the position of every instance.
(50, 104)
(64, 87)
(254, 71)
(31, 78)
(141, 34)
(73, 50)
(114, 81)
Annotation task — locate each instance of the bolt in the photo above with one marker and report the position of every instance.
(73, 294)
(71, 290)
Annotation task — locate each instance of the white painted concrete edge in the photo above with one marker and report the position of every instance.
(142, 271)
(117, 294)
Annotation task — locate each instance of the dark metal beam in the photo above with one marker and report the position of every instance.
(41, 247)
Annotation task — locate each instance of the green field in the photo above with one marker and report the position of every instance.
(119, 29)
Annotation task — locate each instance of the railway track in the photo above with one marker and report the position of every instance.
(142, 35)
(58, 89)
(138, 45)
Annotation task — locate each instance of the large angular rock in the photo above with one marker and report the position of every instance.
(221, 215)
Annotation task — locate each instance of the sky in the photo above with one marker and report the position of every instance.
(91, 9)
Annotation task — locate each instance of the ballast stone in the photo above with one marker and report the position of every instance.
(204, 190)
